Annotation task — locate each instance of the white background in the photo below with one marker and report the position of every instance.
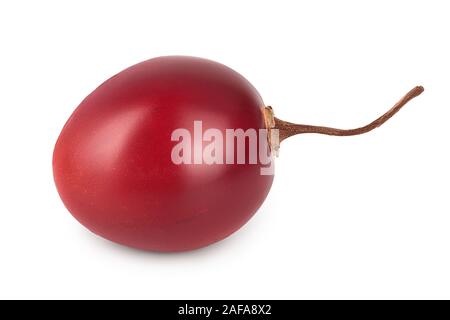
(355, 217)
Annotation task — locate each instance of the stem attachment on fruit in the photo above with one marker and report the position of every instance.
(287, 129)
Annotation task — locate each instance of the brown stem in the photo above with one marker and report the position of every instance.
(287, 129)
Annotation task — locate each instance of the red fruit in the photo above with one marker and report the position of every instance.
(113, 167)
(112, 162)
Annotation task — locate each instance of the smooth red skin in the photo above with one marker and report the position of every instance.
(112, 162)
